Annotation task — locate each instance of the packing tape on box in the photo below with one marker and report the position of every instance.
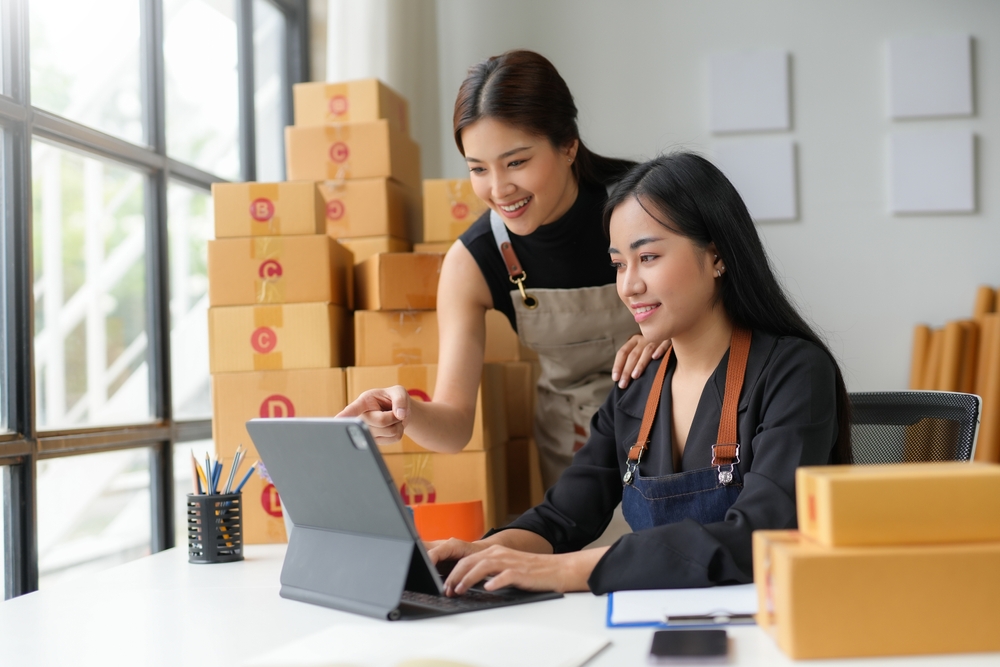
(268, 316)
(338, 153)
(268, 192)
(268, 286)
(418, 476)
(271, 361)
(338, 102)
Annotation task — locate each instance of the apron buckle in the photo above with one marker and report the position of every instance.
(530, 302)
(724, 459)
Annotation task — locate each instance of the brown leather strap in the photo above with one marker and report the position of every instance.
(726, 451)
(514, 269)
(649, 414)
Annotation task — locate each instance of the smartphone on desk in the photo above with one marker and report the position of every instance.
(700, 647)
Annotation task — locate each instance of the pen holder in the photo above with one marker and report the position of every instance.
(215, 528)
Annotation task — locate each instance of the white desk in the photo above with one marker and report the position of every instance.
(161, 610)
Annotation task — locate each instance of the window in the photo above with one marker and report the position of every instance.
(90, 290)
(117, 118)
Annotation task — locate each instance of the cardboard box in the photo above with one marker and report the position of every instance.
(239, 397)
(364, 207)
(267, 209)
(520, 390)
(319, 103)
(364, 247)
(450, 206)
(490, 427)
(438, 246)
(278, 337)
(262, 512)
(909, 503)
(386, 338)
(398, 281)
(352, 150)
(449, 478)
(279, 269)
(841, 602)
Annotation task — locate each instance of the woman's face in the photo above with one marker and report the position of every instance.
(666, 280)
(524, 178)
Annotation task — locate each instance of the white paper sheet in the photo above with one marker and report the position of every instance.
(389, 644)
(655, 606)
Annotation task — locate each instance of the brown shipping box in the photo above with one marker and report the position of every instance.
(452, 478)
(847, 602)
(364, 207)
(267, 209)
(279, 269)
(353, 150)
(239, 397)
(318, 103)
(490, 427)
(450, 206)
(519, 390)
(438, 246)
(398, 281)
(364, 247)
(386, 338)
(278, 337)
(910, 503)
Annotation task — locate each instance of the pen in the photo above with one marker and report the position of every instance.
(246, 477)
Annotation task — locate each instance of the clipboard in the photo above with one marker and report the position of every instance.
(683, 608)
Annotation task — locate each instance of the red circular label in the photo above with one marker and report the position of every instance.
(277, 406)
(419, 393)
(338, 105)
(270, 269)
(339, 151)
(263, 339)
(459, 211)
(262, 209)
(417, 490)
(270, 501)
(335, 209)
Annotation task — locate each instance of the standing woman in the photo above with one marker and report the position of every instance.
(538, 255)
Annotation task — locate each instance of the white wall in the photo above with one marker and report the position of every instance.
(639, 72)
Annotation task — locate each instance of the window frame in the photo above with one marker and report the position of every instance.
(22, 445)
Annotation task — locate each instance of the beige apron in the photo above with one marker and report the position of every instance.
(576, 334)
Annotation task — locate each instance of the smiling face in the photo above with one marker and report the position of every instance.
(667, 281)
(523, 177)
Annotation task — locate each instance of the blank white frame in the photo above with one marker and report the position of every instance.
(764, 173)
(749, 91)
(932, 171)
(930, 76)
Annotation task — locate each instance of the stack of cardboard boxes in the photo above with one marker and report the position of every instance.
(280, 292)
(888, 560)
(283, 283)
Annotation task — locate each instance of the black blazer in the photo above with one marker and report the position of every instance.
(787, 418)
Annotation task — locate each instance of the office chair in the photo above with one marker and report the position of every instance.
(910, 426)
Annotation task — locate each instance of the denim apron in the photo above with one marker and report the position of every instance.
(576, 334)
(703, 495)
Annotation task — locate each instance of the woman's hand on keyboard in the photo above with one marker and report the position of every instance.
(527, 571)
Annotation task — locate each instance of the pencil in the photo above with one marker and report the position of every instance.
(232, 471)
(246, 477)
(194, 474)
(201, 474)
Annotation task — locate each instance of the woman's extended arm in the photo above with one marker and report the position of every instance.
(445, 424)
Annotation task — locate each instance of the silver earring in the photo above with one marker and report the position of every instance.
(718, 274)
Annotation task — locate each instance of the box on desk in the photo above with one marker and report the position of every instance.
(267, 209)
(490, 426)
(911, 503)
(352, 150)
(239, 397)
(437, 246)
(386, 338)
(364, 247)
(822, 602)
(318, 103)
(278, 337)
(398, 281)
(450, 478)
(364, 207)
(279, 269)
(450, 206)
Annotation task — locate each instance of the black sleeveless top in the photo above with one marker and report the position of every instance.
(569, 253)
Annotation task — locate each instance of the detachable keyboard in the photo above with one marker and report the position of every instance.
(416, 605)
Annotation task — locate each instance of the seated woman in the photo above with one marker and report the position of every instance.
(702, 449)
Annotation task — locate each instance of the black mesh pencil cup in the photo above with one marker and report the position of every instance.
(215, 528)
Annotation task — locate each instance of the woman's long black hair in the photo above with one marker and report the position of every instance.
(698, 202)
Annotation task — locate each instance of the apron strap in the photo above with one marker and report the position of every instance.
(726, 451)
(515, 272)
